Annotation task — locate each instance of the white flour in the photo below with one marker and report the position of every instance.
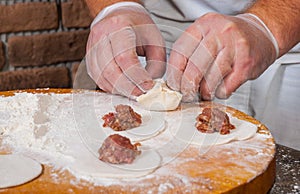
(48, 128)
(57, 130)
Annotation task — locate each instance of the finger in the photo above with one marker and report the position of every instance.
(97, 78)
(202, 58)
(156, 61)
(123, 43)
(190, 83)
(116, 82)
(106, 71)
(175, 69)
(241, 71)
(230, 83)
(93, 64)
(182, 49)
(90, 60)
(119, 81)
(151, 44)
(214, 76)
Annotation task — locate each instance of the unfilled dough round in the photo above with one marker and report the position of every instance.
(188, 133)
(17, 169)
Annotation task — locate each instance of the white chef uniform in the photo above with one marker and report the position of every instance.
(273, 98)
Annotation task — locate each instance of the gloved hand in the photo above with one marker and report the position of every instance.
(114, 44)
(218, 53)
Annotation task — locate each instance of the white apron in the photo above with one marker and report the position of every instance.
(273, 98)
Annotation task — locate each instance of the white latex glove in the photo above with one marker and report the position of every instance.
(218, 53)
(118, 36)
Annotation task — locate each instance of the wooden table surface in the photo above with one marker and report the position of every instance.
(222, 173)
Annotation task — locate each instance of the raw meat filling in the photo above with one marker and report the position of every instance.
(213, 120)
(117, 149)
(123, 119)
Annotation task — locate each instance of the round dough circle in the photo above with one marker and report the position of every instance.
(152, 124)
(16, 170)
(91, 166)
(90, 124)
(187, 131)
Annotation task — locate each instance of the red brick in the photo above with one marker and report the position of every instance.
(45, 49)
(28, 17)
(47, 77)
(2, 56)
(75, 13)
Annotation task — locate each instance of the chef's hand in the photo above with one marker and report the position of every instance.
(113, 47)
(218, 53)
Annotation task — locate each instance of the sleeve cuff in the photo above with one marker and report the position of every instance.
(249, 17)
(113, 7)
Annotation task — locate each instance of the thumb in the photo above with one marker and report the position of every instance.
(156, 61)
(151, 44)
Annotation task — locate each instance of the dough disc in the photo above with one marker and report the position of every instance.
(90, 123)
(153, 123)
(92, 167)
(16, 170)
(188, 133)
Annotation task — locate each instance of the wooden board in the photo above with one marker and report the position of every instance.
(238, 167)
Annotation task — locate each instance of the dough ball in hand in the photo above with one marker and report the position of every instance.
(160, 97)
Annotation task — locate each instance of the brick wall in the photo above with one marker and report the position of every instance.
(42, 42)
